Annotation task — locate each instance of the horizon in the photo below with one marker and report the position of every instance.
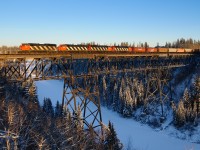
(103, 22)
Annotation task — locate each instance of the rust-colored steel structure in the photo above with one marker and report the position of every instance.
(81, 71)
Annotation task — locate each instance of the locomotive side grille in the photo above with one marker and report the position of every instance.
(94, 48)
(125, 49)
(101, 49)
(50, 47)
(32, 48)
(117, 49)
(54, 48)
(36, 47)
(46, 48)
(73, 48)
(79, 48)
(69, 47)
(41, 47)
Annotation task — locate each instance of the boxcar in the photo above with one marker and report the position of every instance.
(188, 50)
(150, 49)
(163, 50)
(180, 50)
(172, 50)
(139, 49)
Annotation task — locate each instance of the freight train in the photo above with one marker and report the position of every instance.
(102, 48)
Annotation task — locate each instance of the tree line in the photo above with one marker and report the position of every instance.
(184, 43)
(25, 124)
(179, 43)
(187, 111)
(9, 48)
(127, 95)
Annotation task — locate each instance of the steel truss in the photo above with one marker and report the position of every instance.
(81, 92)
(36, 68)
(158, 89)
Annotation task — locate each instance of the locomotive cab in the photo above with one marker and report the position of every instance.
(24, 47)
(62, 47)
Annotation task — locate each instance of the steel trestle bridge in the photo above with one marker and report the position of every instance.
(81, 71)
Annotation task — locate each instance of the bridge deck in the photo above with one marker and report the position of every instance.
(86, 55)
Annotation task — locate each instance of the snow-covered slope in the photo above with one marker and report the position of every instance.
(142, 137)
(130, 132)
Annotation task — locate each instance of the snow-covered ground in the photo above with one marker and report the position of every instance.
(130, 132)
(142, 137)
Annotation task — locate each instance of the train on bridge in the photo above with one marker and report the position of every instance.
(101, 48)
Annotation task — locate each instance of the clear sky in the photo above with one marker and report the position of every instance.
(102, 21)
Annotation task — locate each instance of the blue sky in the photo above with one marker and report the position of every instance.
(102, 21)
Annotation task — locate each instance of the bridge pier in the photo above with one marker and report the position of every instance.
(158, 89)
(81, 92)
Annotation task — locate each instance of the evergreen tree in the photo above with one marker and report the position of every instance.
(140, 92)
(193, 113)
(47, 107)
(146, 45)
(180, 115)
(196, 94)
(104, 90)
(58, 110)
(111, 141)
(186, 98)
(122, 96)
(115, 98)
(128, 109)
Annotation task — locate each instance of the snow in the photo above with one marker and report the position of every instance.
(143, 137)
(52, 89)
(130, 132)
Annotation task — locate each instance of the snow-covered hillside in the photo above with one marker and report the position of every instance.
(131, 133)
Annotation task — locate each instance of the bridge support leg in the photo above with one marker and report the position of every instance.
(158, 89)
(2, 92)
(82, 93)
